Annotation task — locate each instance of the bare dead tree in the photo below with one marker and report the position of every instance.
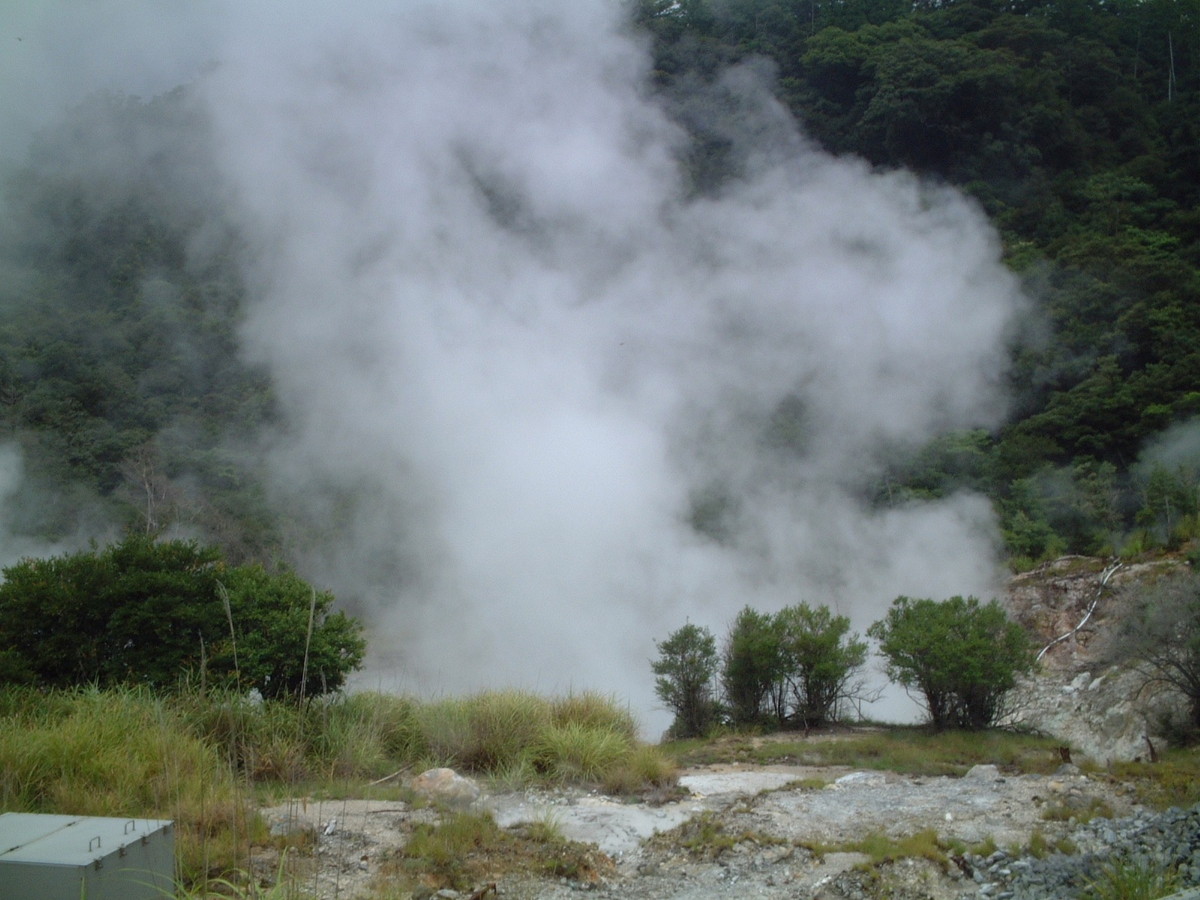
(1160, 636)
(150, 487)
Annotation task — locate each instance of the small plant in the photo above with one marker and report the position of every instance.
(1095, 808)
(1039, 847)
(1123, 880)
(465, 848)
(986, 847)
(881, 848)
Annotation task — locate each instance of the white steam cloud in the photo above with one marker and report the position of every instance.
(520, 361)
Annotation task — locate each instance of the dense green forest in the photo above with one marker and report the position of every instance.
(1075, 124)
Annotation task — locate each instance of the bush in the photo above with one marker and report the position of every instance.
(960, 657)
(821, 660)
(686, 667)
(753, 669)
(143, 612)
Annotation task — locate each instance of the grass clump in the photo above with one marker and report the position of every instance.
(486, 731)
(903, 749)
(575, 751)
(1123, 880)
(465, 848)
(594, 711)
(1172, 781)
(882, 848)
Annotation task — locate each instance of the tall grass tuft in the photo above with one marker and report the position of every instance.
(1120, 880)
(119, 753)
(577, 751)
(596, 711)
(485, 732)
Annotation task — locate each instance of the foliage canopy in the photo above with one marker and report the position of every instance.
(959, 657)
(155, 613)
(685, 671)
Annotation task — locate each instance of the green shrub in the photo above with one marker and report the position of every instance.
(958, 657)
(753, 668)
(145, 612)
(685, 669)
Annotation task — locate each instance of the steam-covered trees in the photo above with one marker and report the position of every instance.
(155, 613)
(685, 670)
(798, 666)
(957, 656)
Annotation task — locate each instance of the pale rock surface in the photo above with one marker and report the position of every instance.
(445, 786)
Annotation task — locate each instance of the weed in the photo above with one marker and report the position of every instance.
(465, 848)
(881, 848)
(1131, 881)
(1095, 808)
(1172, 781)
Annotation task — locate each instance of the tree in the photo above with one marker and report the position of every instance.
(821, 660)
(685, 669)
(1160, 634)
(958, 656)
(753, 671)
(148, 612)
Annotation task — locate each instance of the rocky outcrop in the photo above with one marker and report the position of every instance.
(445, 787)
(1070, 606)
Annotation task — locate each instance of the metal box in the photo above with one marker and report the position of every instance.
(45, 857)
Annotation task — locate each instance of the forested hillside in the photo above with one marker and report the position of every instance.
(120, 373)
(1076, 126)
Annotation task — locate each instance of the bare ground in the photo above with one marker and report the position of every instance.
(771, 831)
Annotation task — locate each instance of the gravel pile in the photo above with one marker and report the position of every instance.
(1153, 842)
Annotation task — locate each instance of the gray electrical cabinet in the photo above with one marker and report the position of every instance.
(45, 857)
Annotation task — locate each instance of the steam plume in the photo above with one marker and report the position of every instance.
(546, 404)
